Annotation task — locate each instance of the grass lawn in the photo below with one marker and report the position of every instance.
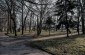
(20, 33)
(54, 33)
(74, 45)
(43, 33)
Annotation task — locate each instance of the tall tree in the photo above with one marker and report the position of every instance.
(62, 8)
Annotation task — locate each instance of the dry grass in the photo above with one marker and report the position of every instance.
(64, 46)
(43, 33)
(54, 33)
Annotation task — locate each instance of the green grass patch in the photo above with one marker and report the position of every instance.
(74, 45)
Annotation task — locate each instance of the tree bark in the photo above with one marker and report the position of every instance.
(22, 19)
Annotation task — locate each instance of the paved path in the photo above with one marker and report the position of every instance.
(20, 50)
(13, 46)
(12, 41)
(53, 37)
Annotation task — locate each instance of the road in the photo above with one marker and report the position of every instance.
(13, 46)
(6, 48)
(20, 50)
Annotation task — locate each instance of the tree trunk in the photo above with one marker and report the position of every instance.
(8, 24)
(30, 22)
(25, 21)
(82, 18)
(78, 22)
(49, 29)
(22, 19)
(66, 19)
